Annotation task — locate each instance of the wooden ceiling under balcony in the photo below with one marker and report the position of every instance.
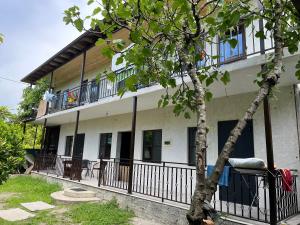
(66, 64)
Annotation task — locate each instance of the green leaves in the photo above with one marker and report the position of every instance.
(96, 11)
(78, 23)
(107, 51)
(100, 42)
(233, 42)
(119, 44)
(225, 78)
(1, 38)
(260, 34)
(210, 20)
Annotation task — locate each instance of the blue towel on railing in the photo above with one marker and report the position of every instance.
(224, 178)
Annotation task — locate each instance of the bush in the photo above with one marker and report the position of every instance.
(11, 151)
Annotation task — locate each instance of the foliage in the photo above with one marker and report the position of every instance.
(106, 214)
(11, 151)
(28, 189)
(28, 142)
(31, 98)
(1, 38)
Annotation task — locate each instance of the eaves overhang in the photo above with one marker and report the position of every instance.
(65, 55)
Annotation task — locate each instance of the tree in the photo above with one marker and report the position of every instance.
(1, 38)
(31, 98)
(169, 38)
(11, 150)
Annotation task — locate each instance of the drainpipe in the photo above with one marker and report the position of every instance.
(132, 145)
(81, 77)
(269, 144)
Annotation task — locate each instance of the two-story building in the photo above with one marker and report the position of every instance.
(164, 145)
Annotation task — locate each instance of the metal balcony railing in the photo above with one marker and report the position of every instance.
(247, 194)
(248, 45)
(91, 91)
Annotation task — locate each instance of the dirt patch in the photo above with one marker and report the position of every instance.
(4, 196)
(60, 212)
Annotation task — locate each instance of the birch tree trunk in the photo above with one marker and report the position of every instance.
(270, 81)
(196, 213)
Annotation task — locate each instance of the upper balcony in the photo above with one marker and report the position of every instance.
(248, 46)
(248, 51)
(91, 91)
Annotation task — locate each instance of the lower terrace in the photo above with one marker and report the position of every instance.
(246, 196)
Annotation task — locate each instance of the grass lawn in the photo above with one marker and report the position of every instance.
(20, 189)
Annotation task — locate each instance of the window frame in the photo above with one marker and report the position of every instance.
(189, 129)
(241, 56)
(152, 144)
(66, 144)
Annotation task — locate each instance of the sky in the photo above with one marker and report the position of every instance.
(33, 32)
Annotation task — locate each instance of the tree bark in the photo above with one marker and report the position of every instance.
(196, 214)
(270, 81)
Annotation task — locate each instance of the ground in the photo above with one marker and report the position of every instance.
(20, 189)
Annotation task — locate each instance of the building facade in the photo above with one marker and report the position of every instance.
(91, 110)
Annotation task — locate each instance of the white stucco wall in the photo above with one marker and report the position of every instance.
(174, 129)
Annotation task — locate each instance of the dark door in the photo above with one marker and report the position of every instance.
(84, 94)
(51, 139)
(105, 145)
(94, 92)
(78, 146)
(242, 188)
(125, 147)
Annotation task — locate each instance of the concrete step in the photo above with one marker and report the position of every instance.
(60, 197)
(77, 192)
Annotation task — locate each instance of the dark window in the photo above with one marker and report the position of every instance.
(226, 52)
(105, 145)
(192, 145)
(69, 143)
(152, 145)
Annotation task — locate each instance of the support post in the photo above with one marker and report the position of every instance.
(269, 144)
(81, 77)
(43, 136)
(270, 162)
(49, 89)
(76, 159)
(75, 132)
(132, 139)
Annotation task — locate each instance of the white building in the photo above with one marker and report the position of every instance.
(161, 139)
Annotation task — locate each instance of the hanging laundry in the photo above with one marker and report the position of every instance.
(287, 179)
(224, 178)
